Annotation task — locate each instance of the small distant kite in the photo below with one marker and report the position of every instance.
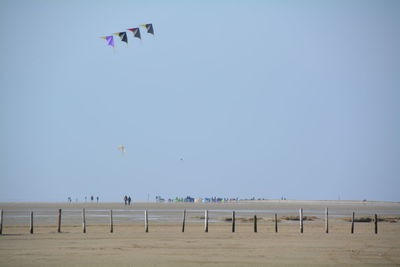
(122, 149)
(109, 39)
(123, 36)
(149, 28)
(136, 32)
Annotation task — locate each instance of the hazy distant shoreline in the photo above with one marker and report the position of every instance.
(266, 206)
(250, 202)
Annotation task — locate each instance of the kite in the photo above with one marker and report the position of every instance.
(123, 36)
(122, 149)
(109, 39)
(149, 28)
(136, 32)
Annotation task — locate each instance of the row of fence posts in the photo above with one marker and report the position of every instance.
(206, 217)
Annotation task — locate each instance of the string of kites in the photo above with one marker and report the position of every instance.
(124, 37)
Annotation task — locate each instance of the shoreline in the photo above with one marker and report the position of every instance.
(225, 202)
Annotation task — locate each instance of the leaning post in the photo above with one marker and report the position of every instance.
(183, 221)
(352, 223)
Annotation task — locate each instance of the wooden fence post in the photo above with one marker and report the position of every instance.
(1, 222)
(59, 221)
(326, 221)
(233, 221)
(255, 223)
(183, 221)
(276, 223)
(376, 223)
(146, 221)
(83, 220)
(31, 226)
(111, 222)
(301, 220)
(352, 223)
(206, 221)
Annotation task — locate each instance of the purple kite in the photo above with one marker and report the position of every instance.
(109, 39)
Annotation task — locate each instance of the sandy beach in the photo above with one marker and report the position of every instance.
(166, 245)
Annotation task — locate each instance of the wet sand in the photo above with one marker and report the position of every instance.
(166, 245)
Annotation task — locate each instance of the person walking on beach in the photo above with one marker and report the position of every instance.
(126, 199)
(97, 198)
(129, 200)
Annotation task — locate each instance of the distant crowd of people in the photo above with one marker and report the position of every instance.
(91, 199)
(127, 200)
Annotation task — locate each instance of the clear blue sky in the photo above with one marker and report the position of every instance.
(260, 98)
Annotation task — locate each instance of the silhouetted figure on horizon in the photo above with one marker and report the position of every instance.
(97, 198)
(126, 199)
(129, 200)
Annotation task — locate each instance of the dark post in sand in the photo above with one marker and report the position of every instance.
(206, 221)
(233, 221)
(301, 220)
(183, 221)
(1, 222)
(83, 221)
(326, 221)
(352, 223)
(276, 223)
(111, 222)
(146, 221)
(255, 223)
(59, 221)
(376, 223)
(31, 227)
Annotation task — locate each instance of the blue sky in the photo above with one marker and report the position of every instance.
(260, 98)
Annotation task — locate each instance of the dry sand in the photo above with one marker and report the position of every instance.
(166, 245)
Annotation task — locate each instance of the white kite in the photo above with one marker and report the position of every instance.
(122, 149)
